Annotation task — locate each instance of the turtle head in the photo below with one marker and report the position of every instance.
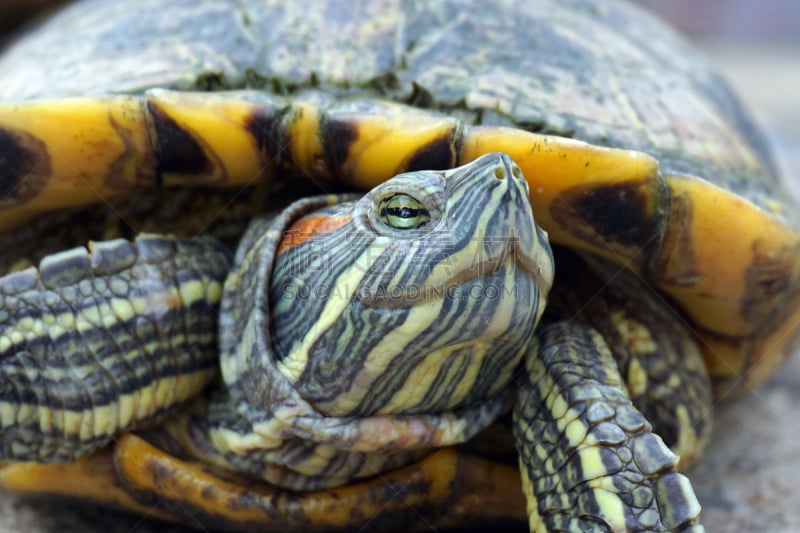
(419, 297)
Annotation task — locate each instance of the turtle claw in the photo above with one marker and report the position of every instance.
(588, 457)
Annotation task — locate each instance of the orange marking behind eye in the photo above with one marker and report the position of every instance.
(311, 226)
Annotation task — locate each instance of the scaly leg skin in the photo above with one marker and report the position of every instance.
(657, 355)
(97, 341)
(589, 459)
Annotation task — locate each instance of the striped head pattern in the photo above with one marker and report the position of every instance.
(419, 297)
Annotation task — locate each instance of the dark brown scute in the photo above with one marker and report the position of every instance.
(24, 166)
(769, 278)
(340, 134)
(612, 217)
(176, 150)
(15, 163)
(264, 126)
(438, 154)
(679, 269)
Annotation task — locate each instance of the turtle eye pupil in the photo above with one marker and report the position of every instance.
(402, 211)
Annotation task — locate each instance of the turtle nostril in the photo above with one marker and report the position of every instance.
(500, 173)
(517, 172)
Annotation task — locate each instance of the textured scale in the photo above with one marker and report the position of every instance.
(649, 342)
(99, 341)
(586, 453)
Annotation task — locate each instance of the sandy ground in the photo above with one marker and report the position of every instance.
(748, 479)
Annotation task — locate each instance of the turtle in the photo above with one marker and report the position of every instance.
(570, 238)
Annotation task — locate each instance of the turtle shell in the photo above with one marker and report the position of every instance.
(723, 243)
(724, 246)
(601, 72)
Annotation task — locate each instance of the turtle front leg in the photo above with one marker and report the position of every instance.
(588, 457)
(105, 339)
(657, 355)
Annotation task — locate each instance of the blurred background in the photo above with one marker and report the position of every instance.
(757, 47)
(748, 479)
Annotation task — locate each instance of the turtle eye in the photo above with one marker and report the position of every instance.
(401, 211)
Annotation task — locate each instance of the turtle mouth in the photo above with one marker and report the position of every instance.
(489, 268)
(511, 250)
(528, 261)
